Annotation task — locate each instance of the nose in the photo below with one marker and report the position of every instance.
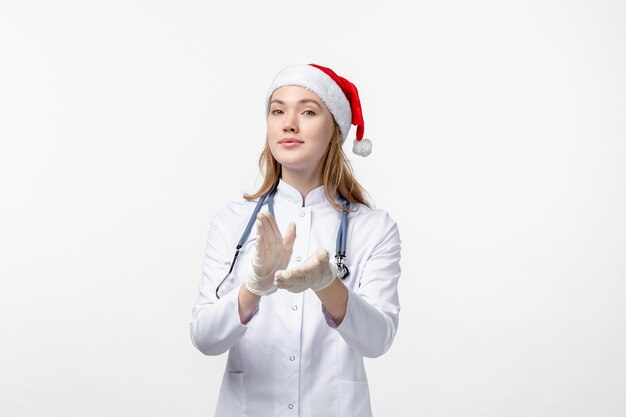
(290, 124)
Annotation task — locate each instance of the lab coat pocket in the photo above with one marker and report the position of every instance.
(231, 399)
(354, 397)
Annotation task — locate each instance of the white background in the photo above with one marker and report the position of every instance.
(499, 148)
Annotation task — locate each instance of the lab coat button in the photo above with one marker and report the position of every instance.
(298, 259)
(302, 214)
(290, 406)
(292, 358)
(294, 308)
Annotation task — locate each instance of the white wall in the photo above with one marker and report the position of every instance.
(499, 148)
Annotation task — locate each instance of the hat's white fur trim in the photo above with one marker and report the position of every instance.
(321, 84)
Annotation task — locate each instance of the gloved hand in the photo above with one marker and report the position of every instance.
(316, 273)
(273, 253)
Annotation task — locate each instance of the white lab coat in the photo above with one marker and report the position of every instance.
(291, 359)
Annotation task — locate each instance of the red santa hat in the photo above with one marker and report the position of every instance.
(338, 94)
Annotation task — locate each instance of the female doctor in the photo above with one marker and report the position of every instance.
(298, 303)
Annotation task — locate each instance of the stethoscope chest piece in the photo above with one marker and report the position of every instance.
(342, 270)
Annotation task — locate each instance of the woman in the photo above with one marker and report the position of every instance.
(296, 322)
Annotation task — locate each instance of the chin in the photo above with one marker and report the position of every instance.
(285, 158)
(291, 164)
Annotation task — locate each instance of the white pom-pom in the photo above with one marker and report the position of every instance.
(362, 147)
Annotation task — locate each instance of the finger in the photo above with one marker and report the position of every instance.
(269, 231)
(261, 243)
(294, 283)
(280, 280)
(290, 237)
(313, 262)
(286, 278)
(284, 284)
(282, 275)
(272, 222)
(261, 246)
(260, 229)
(322, 255)
(258, 225)
(272, 242)
(291, 277)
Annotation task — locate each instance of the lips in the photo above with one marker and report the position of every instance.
(290, 140)
(290, 143)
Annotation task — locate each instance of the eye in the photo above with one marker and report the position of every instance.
(309, 112)
(277, 112)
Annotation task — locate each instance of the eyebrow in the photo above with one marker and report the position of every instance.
(306, 100)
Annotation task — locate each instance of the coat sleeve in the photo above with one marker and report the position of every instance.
(215, 325)
(372, 314)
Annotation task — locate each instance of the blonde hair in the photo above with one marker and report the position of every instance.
(337, 175)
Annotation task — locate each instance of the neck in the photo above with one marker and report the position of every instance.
(302, 182)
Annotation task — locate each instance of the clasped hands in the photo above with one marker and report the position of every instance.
(273, 252)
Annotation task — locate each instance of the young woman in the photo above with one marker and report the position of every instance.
(298, 303)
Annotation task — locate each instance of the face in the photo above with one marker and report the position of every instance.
(299, 129)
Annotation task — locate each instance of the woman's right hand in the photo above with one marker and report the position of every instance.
(273, 253)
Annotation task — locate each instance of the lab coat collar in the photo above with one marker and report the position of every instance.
(292, 195)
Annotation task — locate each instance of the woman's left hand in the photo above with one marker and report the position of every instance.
(316, 273)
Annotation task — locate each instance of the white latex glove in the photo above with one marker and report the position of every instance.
(273, 252)
(316, 273)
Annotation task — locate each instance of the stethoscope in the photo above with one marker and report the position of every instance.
(340, 253)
